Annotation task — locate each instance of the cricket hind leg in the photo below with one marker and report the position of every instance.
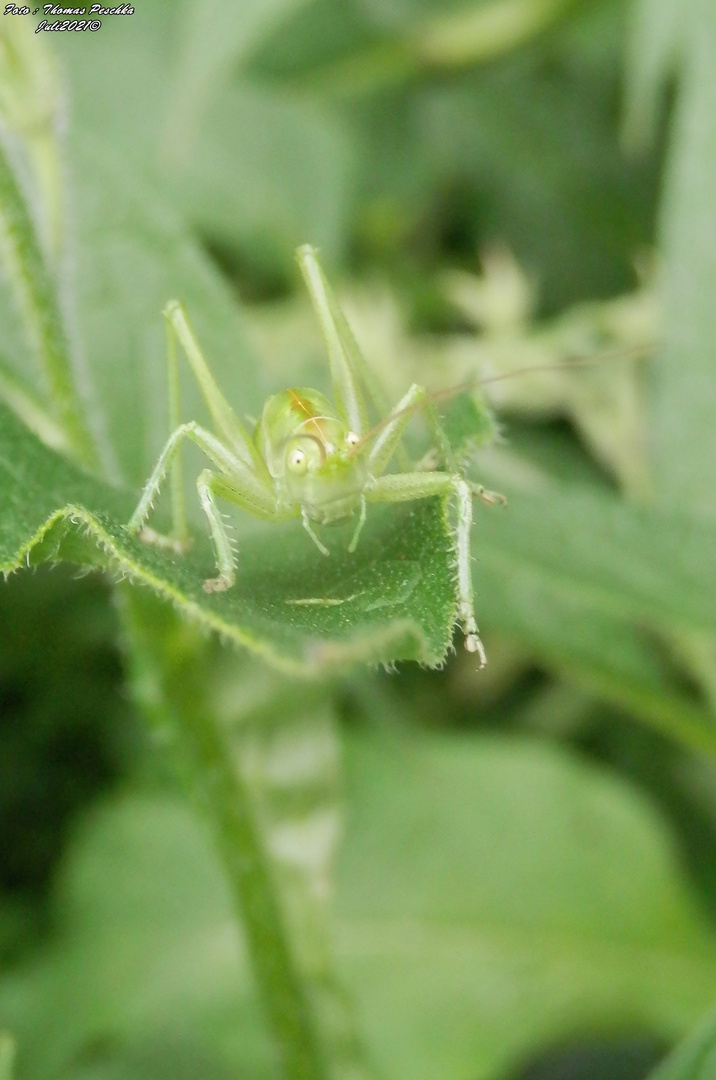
(388, 439)
(352, 378)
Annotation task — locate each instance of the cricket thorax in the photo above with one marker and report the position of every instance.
(310, 453)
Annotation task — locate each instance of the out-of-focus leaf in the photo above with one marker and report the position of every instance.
(151, 953)
(322, 36)
(695, 1059)
(653, 44)
(35, 293)
(493, 896)
(258, 171)
(212, 38)
(609, 656)
(572, 574)
(683, 376)
(498, 895)
(7, 1056)
(352, 47)
(32, 103)
(649, 564)
(133, 253)
(479, 138)
(266, 171)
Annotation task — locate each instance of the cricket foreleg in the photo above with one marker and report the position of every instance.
(224, 459)
(404, 487)
(207, 484)
(233, 490)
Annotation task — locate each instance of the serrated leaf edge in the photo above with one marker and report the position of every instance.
(318, 658)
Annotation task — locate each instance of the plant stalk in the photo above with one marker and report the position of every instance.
(168, 670)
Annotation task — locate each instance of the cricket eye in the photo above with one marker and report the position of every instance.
(352, 439)
(297, 462)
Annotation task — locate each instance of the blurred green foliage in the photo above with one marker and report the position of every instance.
(526, 884)
(66, 727)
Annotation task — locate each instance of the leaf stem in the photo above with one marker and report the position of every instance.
(166, 657)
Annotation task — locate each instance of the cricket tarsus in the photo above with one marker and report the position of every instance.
(218, 584)
(307, 458)
(167, 543)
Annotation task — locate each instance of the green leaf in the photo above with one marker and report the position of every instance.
(608, 656)
(256, 171)
(353, 47)
(134, 253)
(266, 172)
(213, 38)
(493, 895)
(7, 1056)
(695, 1059)
(393, 599)
(572, 558)
(650, 564)
(151, 953)
(498, 894)
(682, 432)
(653, 44)
(468, 423)
(581, 578)
(254, 168)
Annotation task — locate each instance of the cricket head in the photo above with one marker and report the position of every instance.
(311, 453)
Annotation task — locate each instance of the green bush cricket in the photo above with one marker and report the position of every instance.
(307, 457)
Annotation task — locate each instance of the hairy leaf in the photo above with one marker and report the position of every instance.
(393, 599)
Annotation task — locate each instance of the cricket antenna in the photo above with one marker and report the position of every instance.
(637, 352)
